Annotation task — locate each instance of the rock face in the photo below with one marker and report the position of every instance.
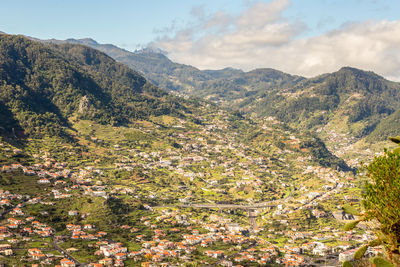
(84, 104)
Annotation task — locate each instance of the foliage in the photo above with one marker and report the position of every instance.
(366, 102)
(350, 210)
(351, 225)
(42, 86)
(380, 262)
(323, 155)
(388, 126)
(381, 202)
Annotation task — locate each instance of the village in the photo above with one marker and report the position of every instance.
(203, 165)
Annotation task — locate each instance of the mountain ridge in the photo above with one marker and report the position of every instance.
(43, 85)
(356, 95)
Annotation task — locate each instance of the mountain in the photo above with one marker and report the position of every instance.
(350, 101)
(350, 94)
(153, 64)
(235, 91)
(222, 85)
(115, 166)
(358, 99)
(46, 87)
(42, 85)
(342, 108)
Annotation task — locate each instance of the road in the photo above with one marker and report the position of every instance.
(217, 206)
(53, 242)
(317, 197)
(65, 253)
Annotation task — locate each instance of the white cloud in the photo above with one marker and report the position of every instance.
(261, 37)
(260, 14)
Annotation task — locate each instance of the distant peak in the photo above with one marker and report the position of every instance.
(151, 50)
(88, 41)
(355, 70)
(358, 72)
(346, 68)
(83, 41)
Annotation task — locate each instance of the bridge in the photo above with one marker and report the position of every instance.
(251, 209)
(253, 206)
(221, 206)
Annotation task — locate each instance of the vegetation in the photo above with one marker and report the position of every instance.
(349, 104)
(119, 157)
(381, 203)
(42, 85)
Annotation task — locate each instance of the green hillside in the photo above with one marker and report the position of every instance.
(42, 85)
(344, 109)
(46, 88)
(390, 126)
(138, 160)
(358, 99)
(358, 95)
(225, 85)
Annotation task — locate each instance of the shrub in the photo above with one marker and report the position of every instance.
(381, 203)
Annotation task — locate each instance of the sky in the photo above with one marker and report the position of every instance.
(303, 37)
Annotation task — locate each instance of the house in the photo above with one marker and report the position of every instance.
(28, 172)
(4, 247)
(88, 226)
(234, 227)
(214, 254)
(106, 261)
(320, 250)
(32, 251)
(38, 256)
(347, 255)
(101, 233)
(118, 263)
(4, 202)
(43, 181)
(120, 256)
(28, 219)
(7, 252)
(67, 263)
(17, 211)
(6, 168)
(72, 212)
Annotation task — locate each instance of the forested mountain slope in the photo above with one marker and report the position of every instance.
(44, 84)
(358, 99)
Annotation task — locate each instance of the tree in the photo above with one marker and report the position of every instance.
(381, 204)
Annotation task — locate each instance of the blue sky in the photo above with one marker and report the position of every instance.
(121, 22)
(130, 23)
(323, 15)
(244, 34)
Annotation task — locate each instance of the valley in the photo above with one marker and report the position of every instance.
(99, 167)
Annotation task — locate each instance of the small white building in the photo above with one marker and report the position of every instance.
(347, 255)
(72, 212)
